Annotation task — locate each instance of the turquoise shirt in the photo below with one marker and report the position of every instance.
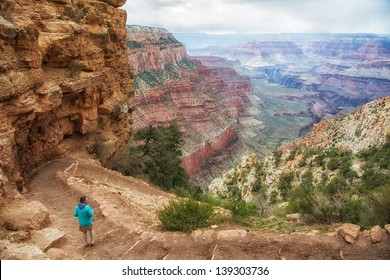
(84, 213)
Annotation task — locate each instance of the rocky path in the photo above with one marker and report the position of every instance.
(126, 226)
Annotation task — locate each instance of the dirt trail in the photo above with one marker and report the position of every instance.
(126, 226)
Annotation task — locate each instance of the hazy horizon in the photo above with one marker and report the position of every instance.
(227, 17)
(264, 33)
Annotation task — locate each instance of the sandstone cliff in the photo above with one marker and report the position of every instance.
(64, 80)
(170, 87)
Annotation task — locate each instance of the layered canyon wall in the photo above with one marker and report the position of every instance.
(331, 71)
(65, 81)
(171, 87)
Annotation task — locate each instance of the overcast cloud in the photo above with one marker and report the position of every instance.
(262, 16)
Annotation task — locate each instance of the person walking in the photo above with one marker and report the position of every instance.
(84, 213)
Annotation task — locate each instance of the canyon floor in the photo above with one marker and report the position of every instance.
(126, 225)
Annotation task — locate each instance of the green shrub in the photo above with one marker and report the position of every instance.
(300, 201)
(373, 178)
(209, 199)
(278, 157)
(368, 153)
(376, 207)
(320, 159)
(332, 164)
(285, 183)
(301, 197)
(234, 192)
(241, 210)
(340, 195)
(185, 215)
(337, 184)
(293, 153)
(257, 184)
(273, 197)
(306, 155)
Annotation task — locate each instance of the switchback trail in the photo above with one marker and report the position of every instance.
(126, 226)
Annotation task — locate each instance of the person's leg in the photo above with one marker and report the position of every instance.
(85, 238)
(92, 233)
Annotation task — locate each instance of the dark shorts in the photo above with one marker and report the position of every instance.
(86, 229)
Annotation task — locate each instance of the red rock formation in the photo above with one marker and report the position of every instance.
(194, 162)
(152, 48)
(361, 47)
(64, 75)
(172, 88)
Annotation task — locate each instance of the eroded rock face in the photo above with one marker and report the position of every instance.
(64, 75)
(171, 87)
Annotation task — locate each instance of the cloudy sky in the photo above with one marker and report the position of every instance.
(262, 16)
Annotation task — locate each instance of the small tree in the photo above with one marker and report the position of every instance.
(161, 149)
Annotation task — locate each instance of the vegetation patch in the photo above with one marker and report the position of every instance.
(167, 41)
(131, 44)
(341, 195)
(155, 155)
(187, 64)
(185, 215)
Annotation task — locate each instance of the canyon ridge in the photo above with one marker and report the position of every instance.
(76, 83)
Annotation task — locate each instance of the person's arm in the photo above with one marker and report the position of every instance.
(90, 212)
(75, 213)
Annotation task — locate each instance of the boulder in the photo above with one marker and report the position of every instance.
(376, 234)
(24, 215)
(23, 251)
(349, 232)
(48, 238)
(387, 227)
